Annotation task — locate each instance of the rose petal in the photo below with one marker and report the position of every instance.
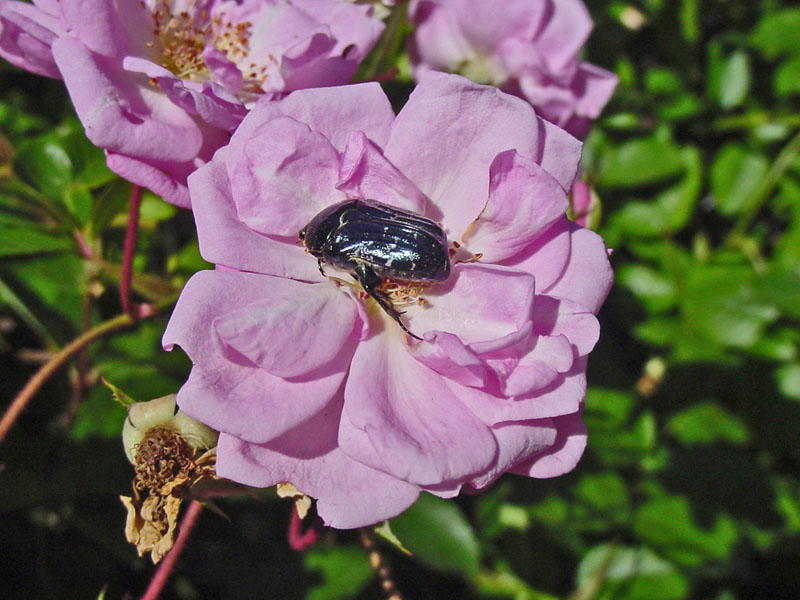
(336, 112)
(451, 129)
(349, 493)
(416, 425)
(225, 240)
(225, 390)
(120, 117)
(563, 396)
(284, 177)
(478, 303)
(446, 136)
(438, 42)
(517, 441)
(564, 35)
(109, 29)
(26, 35)
(563, 455)
(222, 112)
(365, 173)
(162, 184)
(562, 317)
(588, 276)
(547, 256)
(448, 356)
(524, 200)
(293, 330)
(538, 368)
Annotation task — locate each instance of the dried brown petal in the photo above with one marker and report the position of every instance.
(301, 502)
(151, 525)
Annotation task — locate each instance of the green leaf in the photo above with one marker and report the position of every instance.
(79, 200)
(736, 174)
(12, 301)
(345, 571)
(788, 377)
(723, 304)
(776, 33)
(786, 79)
(603, 502)
(639, 219)
(780, 345)
(678, 202)
(56, 282)
(624, 573)
(680, 107)
(385, 531)
(690, 20)
(21, 239)
(658, 331)
(707, 423)
(603, 491)
(98, 415)
(641, 162)
(734, 80)
(154, 210)
(437, 533)
(667, 525)
(787, 502)
(657, 293)
(44, 164)
(607, 408)
(664, 82)
(627, 447)
(553, 511)
(781, 287)
(112, 201)
(615, 440)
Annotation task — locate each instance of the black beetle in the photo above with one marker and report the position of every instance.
(372, 240)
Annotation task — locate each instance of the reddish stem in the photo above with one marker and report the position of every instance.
(51, 366)
(299, 540)
(81, 366)
(131, 235)
(58, 359)
(167, 564)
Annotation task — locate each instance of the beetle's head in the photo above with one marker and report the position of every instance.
(302, 235)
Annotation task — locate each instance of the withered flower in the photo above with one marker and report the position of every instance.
(171, 453)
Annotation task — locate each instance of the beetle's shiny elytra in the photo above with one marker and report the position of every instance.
(372, 240)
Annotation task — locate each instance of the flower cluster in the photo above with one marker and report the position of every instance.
(161, 84)
(358, 386)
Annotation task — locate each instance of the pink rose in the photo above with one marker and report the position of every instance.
(309, 382)
(527, 47)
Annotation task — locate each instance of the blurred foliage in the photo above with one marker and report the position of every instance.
(689, 487)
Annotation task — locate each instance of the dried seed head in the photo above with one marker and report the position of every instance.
(171, 453)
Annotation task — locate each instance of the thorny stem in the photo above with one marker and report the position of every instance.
(66, 353)
(301, 540)
(131, 234)
(167, 564)
(376, 562)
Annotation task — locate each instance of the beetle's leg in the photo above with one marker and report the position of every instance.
(319, 266)
(371, 281)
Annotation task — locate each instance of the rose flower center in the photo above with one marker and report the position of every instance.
(181, 37)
